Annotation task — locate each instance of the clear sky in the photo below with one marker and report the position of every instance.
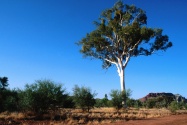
(37, 41)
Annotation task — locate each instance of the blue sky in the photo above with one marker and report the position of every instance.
(37, 41)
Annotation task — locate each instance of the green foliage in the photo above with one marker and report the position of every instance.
(69, 103)
(8, 100)
(25, 100)
(122, 32)
(174, 106)
(3, 82)
(41, 96)
(98, 103)
(150, 103)
(177, 106)
(134, 103)
(118, 97)
(83, 97)
(185, 106)
(138, 104)
(103, 102)
(159, 102)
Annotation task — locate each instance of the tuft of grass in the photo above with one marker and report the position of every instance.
(12, 115)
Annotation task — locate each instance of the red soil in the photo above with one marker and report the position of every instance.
(168, 120)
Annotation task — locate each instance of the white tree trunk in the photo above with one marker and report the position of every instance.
(122, 83)
(121, 72)
(122, 79)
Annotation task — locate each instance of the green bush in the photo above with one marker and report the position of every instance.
(98, 103)
(138, 104)
(102, 102)
(69, 103)
(105, 101)
(177, 106)
(118, 97)
(174, 106)
(131, 102)
(83, 97)
(185, 106)
(151, 103)
(8, 100)
(42, 96)
(134, 103)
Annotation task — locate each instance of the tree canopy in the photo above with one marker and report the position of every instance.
(122, 33)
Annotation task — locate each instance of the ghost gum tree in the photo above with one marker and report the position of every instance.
(122, 33)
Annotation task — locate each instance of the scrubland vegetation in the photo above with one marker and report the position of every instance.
(48, 100)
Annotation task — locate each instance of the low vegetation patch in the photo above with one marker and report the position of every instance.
(77, 116)
(47, 102)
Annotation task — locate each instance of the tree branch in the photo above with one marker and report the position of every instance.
(135, 45)
(126, 61)
(136, 17)
(110, 61)
(109, 38)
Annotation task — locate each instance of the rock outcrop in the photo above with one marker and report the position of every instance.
(176, 97)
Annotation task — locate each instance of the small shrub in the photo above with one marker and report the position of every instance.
(83, 97)
(151, 103)
(102, 102)
(177, 106)
(98, 103)
(131, 102)
(185, 106)
(134, 103)
(118, 98)
(173, 106)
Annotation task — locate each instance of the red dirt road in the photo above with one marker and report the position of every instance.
(169, 120)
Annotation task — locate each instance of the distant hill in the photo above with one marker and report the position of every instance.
(175, 97)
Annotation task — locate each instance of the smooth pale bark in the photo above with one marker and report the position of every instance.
(121, 72)
(122, 79)
(122, 83)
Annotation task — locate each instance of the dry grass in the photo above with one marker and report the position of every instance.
(12, 115)
(76, 116)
